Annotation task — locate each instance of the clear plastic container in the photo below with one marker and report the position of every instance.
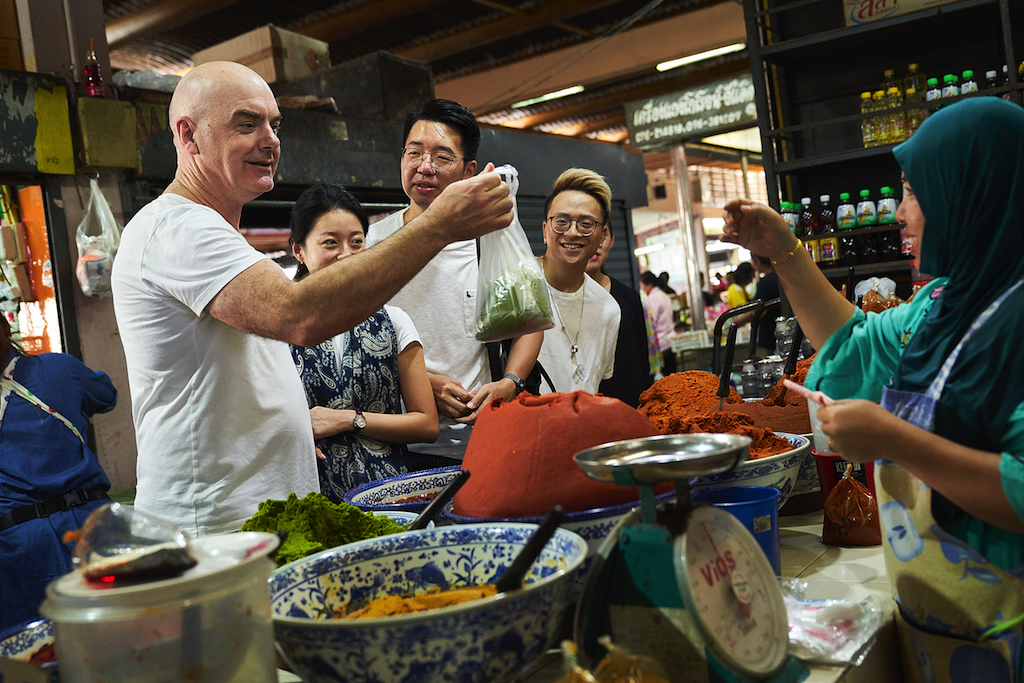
(212, 623)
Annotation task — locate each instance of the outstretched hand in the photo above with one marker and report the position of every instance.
(475, 206)
(757, 227)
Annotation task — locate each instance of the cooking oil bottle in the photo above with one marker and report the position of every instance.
(897, 119)
(879, 122)
(867, 123)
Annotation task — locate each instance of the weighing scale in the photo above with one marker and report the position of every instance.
(685, 584)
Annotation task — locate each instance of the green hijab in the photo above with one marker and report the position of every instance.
(966, 166)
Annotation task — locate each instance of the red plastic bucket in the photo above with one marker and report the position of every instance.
(832, 467)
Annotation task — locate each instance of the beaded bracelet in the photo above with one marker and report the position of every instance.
(798, 247)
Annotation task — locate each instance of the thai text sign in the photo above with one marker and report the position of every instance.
(866, 11)
(717, 107)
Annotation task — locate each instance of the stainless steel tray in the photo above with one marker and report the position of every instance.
(655, 459)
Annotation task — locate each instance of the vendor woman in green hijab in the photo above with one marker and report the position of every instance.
(948, 369)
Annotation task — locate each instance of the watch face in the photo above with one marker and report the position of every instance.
(359, 421)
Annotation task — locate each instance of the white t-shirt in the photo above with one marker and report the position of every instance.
(220, 415)
(598, 336)
(405, 333)
(441, 301)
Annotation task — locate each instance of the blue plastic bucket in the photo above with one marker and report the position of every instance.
(757, 508)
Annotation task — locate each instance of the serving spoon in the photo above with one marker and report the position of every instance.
(513, 577)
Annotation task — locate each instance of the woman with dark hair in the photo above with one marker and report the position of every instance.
(356, 382)
(737, 295)
(49, 479)
(948, 437)
(661, 318)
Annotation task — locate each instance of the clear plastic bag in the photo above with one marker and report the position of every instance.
(98, 237)
(512, 295)
(830, 631)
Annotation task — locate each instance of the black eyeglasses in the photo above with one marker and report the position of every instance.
(441, 161)
(584, 226)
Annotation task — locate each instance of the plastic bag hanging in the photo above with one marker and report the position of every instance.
(512, 294)
(98, 237)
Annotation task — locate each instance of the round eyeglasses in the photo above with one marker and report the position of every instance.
(584, 226)
(441, 161)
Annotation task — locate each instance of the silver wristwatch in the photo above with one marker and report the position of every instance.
(359, 421)
(520, 384)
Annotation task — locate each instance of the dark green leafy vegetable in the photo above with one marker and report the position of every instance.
(314, 523)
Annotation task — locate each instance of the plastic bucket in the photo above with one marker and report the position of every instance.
(831, 468)
(757, 508)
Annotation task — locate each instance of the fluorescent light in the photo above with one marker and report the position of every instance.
(550, 96)
(700, 56)
(640, 251)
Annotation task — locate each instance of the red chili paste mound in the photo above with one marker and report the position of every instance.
(763, 441)
(682, 395)
(521, 453)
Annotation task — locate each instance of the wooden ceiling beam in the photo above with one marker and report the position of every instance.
(557, 24)
(653, 89)
(363, 18)
(160, 16)
(584, 127)
(501, 28)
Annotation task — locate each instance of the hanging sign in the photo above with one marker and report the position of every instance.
(710, 109)
(865, 11)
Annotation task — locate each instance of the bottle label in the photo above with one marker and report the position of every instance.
(887, 210)
(812, 249)
(828, 247)
(866, 213)
(846, 216)
(950, 90)
(968, 86)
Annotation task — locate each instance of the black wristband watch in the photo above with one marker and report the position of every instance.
(359, 421)
(520, 384)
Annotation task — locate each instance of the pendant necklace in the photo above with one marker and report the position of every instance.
(580, 373)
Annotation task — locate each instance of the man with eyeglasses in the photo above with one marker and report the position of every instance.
(580, 351)
(441, 142)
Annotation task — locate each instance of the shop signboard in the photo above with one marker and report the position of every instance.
(718, 107)
(859, 12)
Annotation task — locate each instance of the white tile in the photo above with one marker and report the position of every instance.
(848, 564)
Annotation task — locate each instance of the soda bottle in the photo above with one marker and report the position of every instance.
(828, 245)
(93, 76)
(991, 79)
(791, 215)
(950, 86)
(933, 94)
(1006, 81)
(866, 212)
(809, 228)
(897, 120)
(888, 242)
(914, 116)
(915, 79)
(846, 212)
(867, 123)
(887, 206)
(879, 123)
(968, 84)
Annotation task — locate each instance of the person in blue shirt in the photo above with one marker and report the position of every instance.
(49, 479)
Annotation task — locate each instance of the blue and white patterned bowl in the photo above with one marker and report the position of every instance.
(22, 641)
(380, 495)
(777, 471)
(492, 639)
(592, 526)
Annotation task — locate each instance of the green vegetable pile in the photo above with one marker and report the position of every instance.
(515, 303)
(315, 523)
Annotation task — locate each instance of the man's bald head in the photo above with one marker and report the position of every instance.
(209, 85)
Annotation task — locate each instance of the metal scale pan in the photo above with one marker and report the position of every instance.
(687, 585)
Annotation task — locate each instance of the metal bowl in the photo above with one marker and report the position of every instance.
(655, 459)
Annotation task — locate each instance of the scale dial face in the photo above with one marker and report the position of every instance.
(728, 584)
